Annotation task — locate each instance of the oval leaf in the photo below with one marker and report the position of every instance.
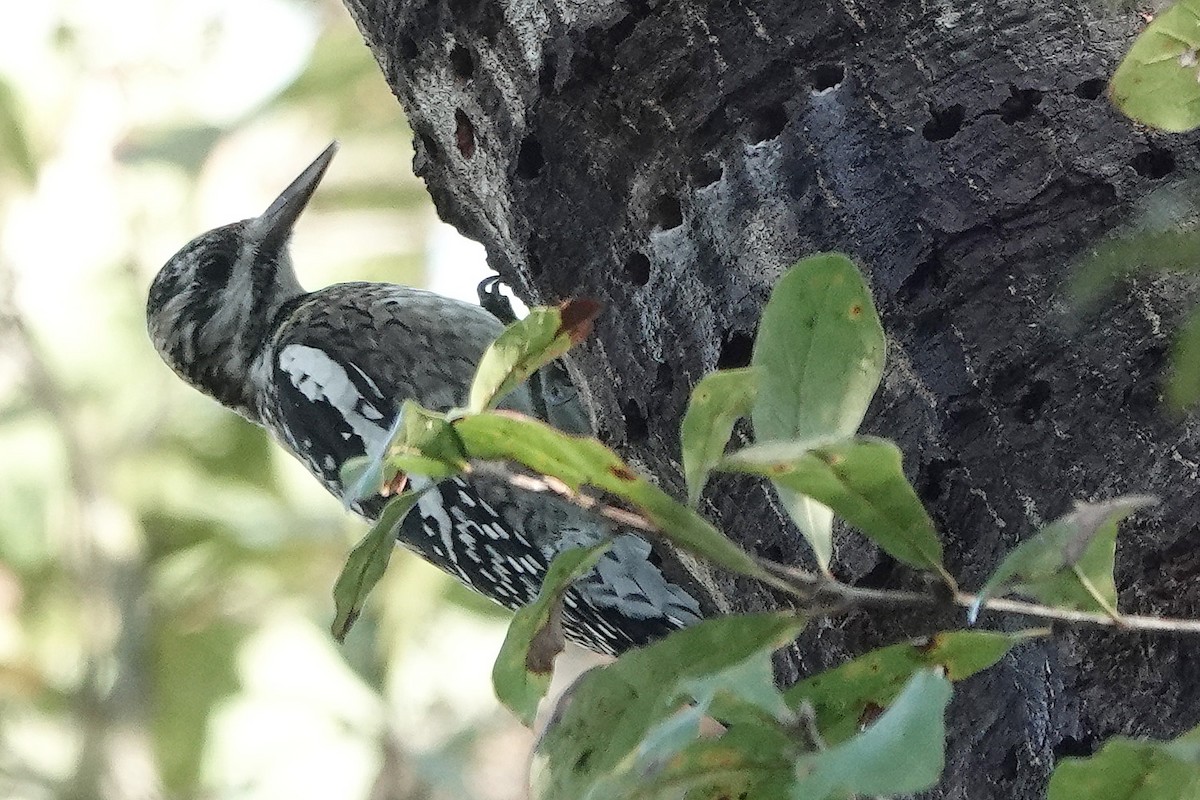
(1158, 82)
(902, 751)
(861, 479)
(522, 672)
(1132, 769)
(819, 353)
(718, 401)
(527, 344)
(1069, 563)
(367, 563)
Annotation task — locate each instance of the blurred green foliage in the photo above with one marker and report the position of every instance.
(165, 570)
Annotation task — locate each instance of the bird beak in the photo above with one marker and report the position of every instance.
(274, 227)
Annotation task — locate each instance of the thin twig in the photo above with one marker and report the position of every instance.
(823, 594)
(1126, 621)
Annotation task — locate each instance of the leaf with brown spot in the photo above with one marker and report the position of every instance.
(841, 697)
(547, 643)
(623, 473)
(577, 317)
(869, 714)
(818, 367)
(525, 663)
(527, 345)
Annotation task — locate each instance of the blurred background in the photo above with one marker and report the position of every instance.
(165, 571)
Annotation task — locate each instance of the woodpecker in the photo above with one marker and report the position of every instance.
(325, 373)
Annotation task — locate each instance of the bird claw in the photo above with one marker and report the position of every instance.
(492, 300)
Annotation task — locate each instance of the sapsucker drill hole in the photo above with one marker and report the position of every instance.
(464, 134)
(1154, 163)
(636, 428)
(826, 76)
(736, 350)
(429, 146)
(706, 171)
(767, 123)
(1071, 747)
(462, 63)
(637, 269)
(943, 122)
(666, 213)
(934, 477)
(547, 72)
(1019, 104)
(1090, 89)
(1029, 407)
(529, 158)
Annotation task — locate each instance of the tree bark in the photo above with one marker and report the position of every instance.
(673, 158)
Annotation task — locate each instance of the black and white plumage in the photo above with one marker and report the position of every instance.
(325, 372)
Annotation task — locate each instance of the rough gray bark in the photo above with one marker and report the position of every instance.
(673, 158)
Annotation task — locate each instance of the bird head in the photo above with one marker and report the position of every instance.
(212, 306)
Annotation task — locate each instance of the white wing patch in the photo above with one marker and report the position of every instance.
(319, 377)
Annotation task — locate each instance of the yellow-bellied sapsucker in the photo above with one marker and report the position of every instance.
(325, 373)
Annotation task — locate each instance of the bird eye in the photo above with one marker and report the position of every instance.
(215, 269)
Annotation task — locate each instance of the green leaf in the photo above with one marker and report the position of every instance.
(845, 697)
(362, 476)
(749, 684)
(522, 672)
(861, 479)
(753, 758)
(902, 751)
(420, 442)
(718, 401)
(1157, 82)
(367, 563)
(1183, 387)
(597, 740)
(1168, 250)
(1069, 563)
(428, 434)
(746, 761)
(579, 462)
(1132, 769)
(527, 344)
(819, 354)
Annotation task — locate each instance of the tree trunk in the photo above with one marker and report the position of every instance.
(673, 158)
